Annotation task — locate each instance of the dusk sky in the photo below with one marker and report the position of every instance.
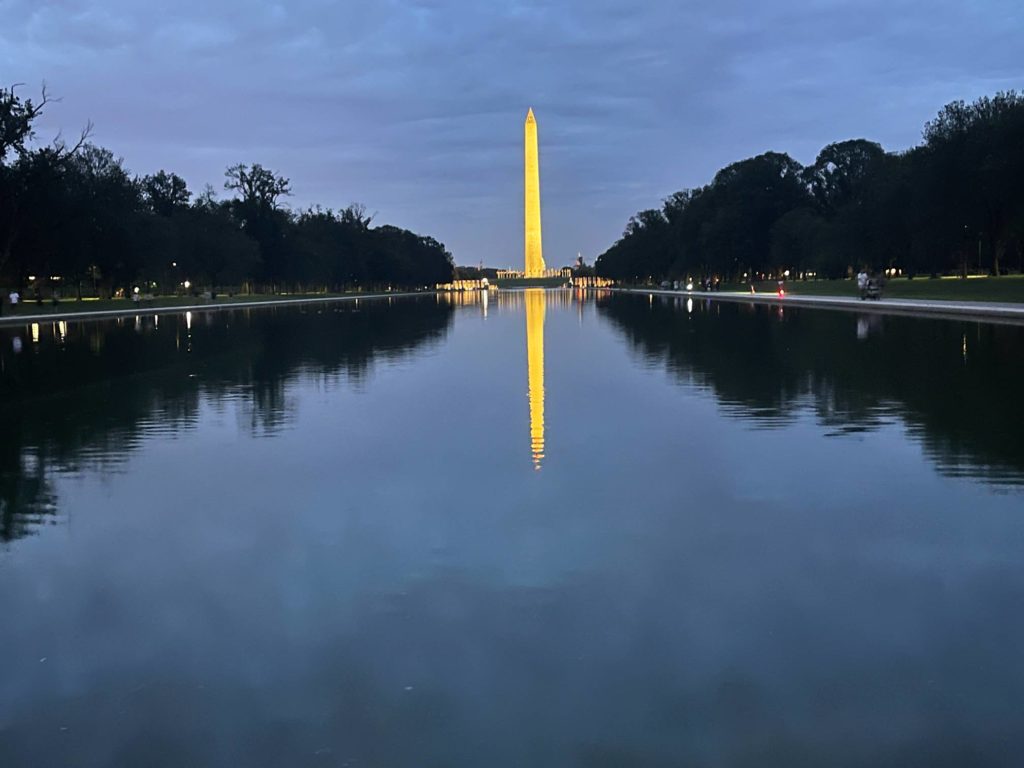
(416, 109)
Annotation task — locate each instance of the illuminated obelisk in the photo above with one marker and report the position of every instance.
(535, 299)
(534, 252)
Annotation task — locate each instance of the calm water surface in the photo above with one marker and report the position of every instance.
(540, 531)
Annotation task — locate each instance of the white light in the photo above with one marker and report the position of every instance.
(689, 286)
(689, 306)
(786, 273)
(187, 284)
(188, 321)
(135, 289)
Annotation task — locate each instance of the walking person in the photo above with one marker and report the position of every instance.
(862, 282)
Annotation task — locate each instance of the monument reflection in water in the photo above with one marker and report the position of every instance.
(533, 302)
(535, 307)
(761, 538)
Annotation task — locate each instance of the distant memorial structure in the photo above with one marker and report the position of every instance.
(534, 251)
(534, 266)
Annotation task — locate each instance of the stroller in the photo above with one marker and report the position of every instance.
(872, 288)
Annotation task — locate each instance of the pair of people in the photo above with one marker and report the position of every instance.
(869, 286)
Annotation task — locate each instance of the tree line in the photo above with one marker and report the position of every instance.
(56, 416)
(77, 221)
(774, 374)
(954, 204)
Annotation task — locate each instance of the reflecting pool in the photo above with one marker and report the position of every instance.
(531, 528)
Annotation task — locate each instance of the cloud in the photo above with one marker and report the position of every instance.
(415, 107)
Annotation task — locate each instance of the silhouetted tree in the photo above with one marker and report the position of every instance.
(26, 173)
(939, 207)
(165, 193)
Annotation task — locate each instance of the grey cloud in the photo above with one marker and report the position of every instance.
(415, 107)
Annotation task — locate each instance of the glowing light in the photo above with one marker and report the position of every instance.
(531, 172)
(62, 329)
(31, 278)
(535, 309)
(689, 306)
(35, 333)
(786, 273)
(187, 284)
(135, 289)
(188, 321)
(689, 286)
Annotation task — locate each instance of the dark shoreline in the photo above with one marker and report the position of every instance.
(212, 305)
(991, 312)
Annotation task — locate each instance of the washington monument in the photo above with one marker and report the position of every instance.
(534, 252)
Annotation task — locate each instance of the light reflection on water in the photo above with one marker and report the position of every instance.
(756, 537)
(535, 306)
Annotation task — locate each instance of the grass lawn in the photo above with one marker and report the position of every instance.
(1009, 288)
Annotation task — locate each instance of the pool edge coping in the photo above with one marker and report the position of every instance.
(998, 312)
(101, 314)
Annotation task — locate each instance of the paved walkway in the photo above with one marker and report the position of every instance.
(988, 311)
(210, 306)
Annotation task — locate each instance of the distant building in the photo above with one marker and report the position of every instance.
(590, 281)
(465, 285)
(515, 274)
